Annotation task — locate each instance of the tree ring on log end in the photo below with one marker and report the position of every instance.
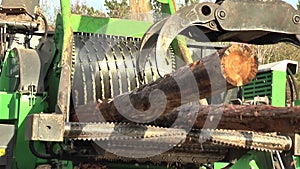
(239, 64)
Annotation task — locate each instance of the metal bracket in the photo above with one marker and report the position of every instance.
(7, 141)
(45, 127)
(18, 6)
(30, 70)
(7, 132)
(297, 144)
(244, 15)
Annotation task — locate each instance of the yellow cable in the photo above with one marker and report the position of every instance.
(2, 152)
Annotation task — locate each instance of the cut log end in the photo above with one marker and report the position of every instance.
(239, 64)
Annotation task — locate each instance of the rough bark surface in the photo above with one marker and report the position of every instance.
(227, 68)
(260, 118)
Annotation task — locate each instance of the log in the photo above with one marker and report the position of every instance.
(262, 118)
(232, 66)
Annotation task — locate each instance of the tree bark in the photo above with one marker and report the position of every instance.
(140, 10)
(233, 66)
(260, 118)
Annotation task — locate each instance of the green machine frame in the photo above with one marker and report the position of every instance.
(15, 106)
(270, 82)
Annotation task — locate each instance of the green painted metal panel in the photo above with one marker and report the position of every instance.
(109, 26)
(220, 165)
(278, 88)
(8, 78)
(297, 102)
(271, 84)
(4, 79)
(53, 67)
(297, 160)
(28, 104)
(257, 85)
(67, 26)
(254, 160)
(67, 165)
(8, 106)
(261, 86)
(256, 93)
(168, 6)
(163, 1)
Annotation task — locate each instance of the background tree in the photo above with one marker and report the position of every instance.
(189, 2)
(140, 10)
(298, 5)
(277, 52)
(83, 9)
(156, 10)
(49, 12)
(117, 9)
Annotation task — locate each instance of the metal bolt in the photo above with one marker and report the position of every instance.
(222, 14)
(296, 19)
(212, 24)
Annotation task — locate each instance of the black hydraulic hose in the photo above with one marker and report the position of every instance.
(291, 87)
(38, 154)
(46, 25)
(32, 17)
(294, 83)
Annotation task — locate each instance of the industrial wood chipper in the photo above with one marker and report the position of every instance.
(119, 93)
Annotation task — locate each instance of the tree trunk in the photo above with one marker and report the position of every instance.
(227, 68)
(262, 118)
(140, 10)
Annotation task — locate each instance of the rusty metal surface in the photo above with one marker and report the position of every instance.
(64, 88)
(161, 34)
(152, 32)
(184, 21)
(6, 144)
(244, 15)
(119, 131)
(20, 6)
(207, 153)
(249, 140)
(241, 21)
(185, 18)
(297, 144)
(213, 147)
(193, 147)
(45, 127)
(145, 134)
(142, 142)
